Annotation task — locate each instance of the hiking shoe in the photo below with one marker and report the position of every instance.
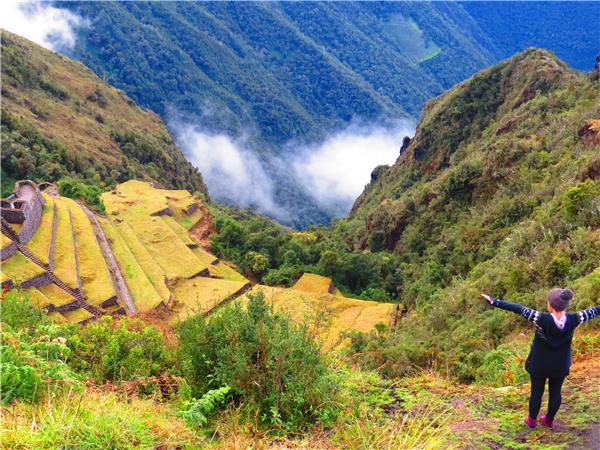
(531, 423)
(547, 422)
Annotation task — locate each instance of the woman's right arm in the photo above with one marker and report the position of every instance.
(529, 313)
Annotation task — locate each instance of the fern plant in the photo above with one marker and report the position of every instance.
(197, 411)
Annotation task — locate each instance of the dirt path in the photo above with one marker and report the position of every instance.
(202, 229)
(585, 379)
(486, 417)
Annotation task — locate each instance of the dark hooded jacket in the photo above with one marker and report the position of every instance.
(550, 355)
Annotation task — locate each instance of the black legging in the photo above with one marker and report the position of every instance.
(554, 396)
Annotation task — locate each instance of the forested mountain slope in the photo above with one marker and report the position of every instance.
(569, 29)
(292, 72)
(499, 191)
(59, 119)
(272, 74)
(288, 70)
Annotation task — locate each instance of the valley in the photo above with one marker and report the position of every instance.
(139, 310)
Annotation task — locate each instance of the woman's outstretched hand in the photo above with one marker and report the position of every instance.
(487, 298)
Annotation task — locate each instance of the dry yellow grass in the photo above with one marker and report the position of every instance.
(144, 294)
(179, 230)
(135, 198)
(95, 280)
(97, 418)
(170, 252)
(328, 314)
(51, 294)
(56, 295)
(16, 227)
(204, 256)
(20, 269)
(152, 270)
(37, 298)
(180, 201)
(39, 244)
(133, 202)
(318, 284)
(228, 273)
(64, 248)
(57, 317)
(4, 240)
(201, 294)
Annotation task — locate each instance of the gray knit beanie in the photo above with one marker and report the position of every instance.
(559, 298)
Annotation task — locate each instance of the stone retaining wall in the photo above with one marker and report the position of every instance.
(163, 212)
(37, 281)
(8, 250)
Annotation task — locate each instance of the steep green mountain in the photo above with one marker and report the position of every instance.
(59, 119)
(499, 191)
(280, 74)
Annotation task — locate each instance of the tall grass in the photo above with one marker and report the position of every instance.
(93, 420)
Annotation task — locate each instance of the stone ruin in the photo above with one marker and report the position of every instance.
(23, 207)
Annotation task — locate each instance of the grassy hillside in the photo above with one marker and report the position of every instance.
(143, 381)
(497, 192)
(59, 119)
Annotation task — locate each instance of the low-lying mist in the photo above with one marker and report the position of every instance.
(333, 172)
(232, 172)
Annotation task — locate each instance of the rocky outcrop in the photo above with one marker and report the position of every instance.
(596, 72)
(378, 171)
(405, 143)
(589, 132)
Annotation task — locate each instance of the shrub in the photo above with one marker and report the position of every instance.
(581, 203)
(32, 367)
(198, 410)
(89, 193)
(256, 263)
(31, 362)
(116, 350)
(17, 312)
(284, 275)
(502, 366)
(272, 365)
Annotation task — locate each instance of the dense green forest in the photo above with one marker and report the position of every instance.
(498, 192)
(280, 72)
(513, 27)
(277, 73)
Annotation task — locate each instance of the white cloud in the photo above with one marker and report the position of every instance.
(42, 23)
(232, 173)
(336, 171)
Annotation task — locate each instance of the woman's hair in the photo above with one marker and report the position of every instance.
(559, 298)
